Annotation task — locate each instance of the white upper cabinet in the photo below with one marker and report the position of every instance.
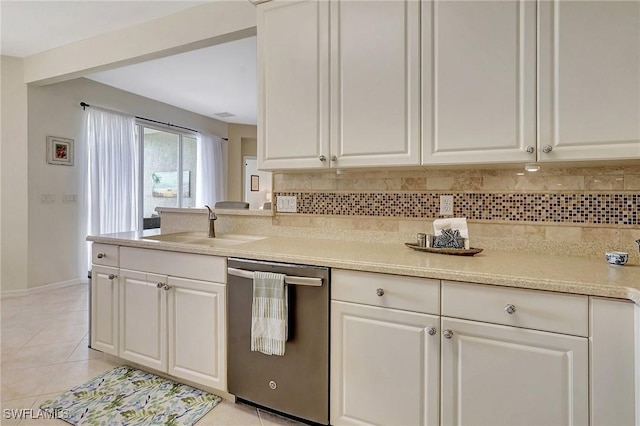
(293, 84)
(375, 82)
(478, 81)
(490, 95)
(589, 80)
(371, 94)
(347, 83)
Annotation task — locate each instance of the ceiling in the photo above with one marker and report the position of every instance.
(209, 81)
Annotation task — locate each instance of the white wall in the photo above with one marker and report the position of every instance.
(56, 231)
(13, 177)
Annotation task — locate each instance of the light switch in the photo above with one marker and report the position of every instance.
(69, 198)
(47, 198)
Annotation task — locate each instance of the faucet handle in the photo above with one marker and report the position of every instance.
(212, 214)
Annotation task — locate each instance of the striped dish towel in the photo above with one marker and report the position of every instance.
(269, 313)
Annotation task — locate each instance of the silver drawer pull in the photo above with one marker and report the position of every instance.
(431, 330)
(101, 255)
(448, 334)
(160, 285)
(112, 276)
(312, 282)
(510, 309)
(380, 292)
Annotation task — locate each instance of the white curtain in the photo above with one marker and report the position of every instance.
(113, 172)
(211, 184)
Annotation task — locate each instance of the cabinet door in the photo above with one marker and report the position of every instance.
(143, 319)
(197, 337)
(375, 83)
(104, 309)
(293, 84)
(589, 90)
(478, 81)
(614, 357)
(499, 375)
(384, 366)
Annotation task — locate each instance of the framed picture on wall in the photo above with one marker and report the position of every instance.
(59, 151)
(255, 183)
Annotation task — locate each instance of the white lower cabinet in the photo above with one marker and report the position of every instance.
(385, 360)
(513, 356)
(104, 309)
(384, 366)
(499, 375)
(160, 310)
(614, 372)
(143, 319)
(174, 325)
(197, 331)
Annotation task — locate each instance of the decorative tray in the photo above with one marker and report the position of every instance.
(453, 251)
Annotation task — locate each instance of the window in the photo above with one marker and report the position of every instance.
(168, 171)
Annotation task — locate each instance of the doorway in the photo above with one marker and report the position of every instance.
(256, 184)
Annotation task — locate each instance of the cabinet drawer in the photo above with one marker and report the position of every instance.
(539, 310)
(185, 265)
(104, 254)
(406, 293)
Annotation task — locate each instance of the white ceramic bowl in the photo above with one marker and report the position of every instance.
(617, 257)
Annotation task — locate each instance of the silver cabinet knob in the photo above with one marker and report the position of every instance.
(334, 158)
(547, 149)
(167, 287)
(112, 276)
(380, 292)
(160, 285)
(322, 158)
(101, 255)
(510, 309)
(448, 334)
(529, 149)
(431, 330)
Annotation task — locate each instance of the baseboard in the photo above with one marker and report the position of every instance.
(13, 293)
(39, 289)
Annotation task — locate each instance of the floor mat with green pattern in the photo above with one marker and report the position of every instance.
(127, 396)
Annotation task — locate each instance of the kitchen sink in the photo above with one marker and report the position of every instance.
(200, 238)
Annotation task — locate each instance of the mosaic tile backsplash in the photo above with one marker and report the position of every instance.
(590, 196)
(593, 208)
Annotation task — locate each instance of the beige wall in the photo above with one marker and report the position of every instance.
(13, 177)
(238, 133)
(249, 147)
(57, 231)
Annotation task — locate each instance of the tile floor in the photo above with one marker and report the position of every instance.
(44, 352)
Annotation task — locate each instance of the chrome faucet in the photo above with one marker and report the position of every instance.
(212, 225)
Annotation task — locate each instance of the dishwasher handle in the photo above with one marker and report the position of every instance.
(307, 281)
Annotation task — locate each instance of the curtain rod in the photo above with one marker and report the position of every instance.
(84, 105)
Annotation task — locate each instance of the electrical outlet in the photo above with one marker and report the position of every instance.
(446, 205)
(286, 204)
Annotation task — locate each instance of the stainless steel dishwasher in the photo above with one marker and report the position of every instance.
(296, 384)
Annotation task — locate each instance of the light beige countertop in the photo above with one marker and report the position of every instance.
(219, 212)
(566, 274)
